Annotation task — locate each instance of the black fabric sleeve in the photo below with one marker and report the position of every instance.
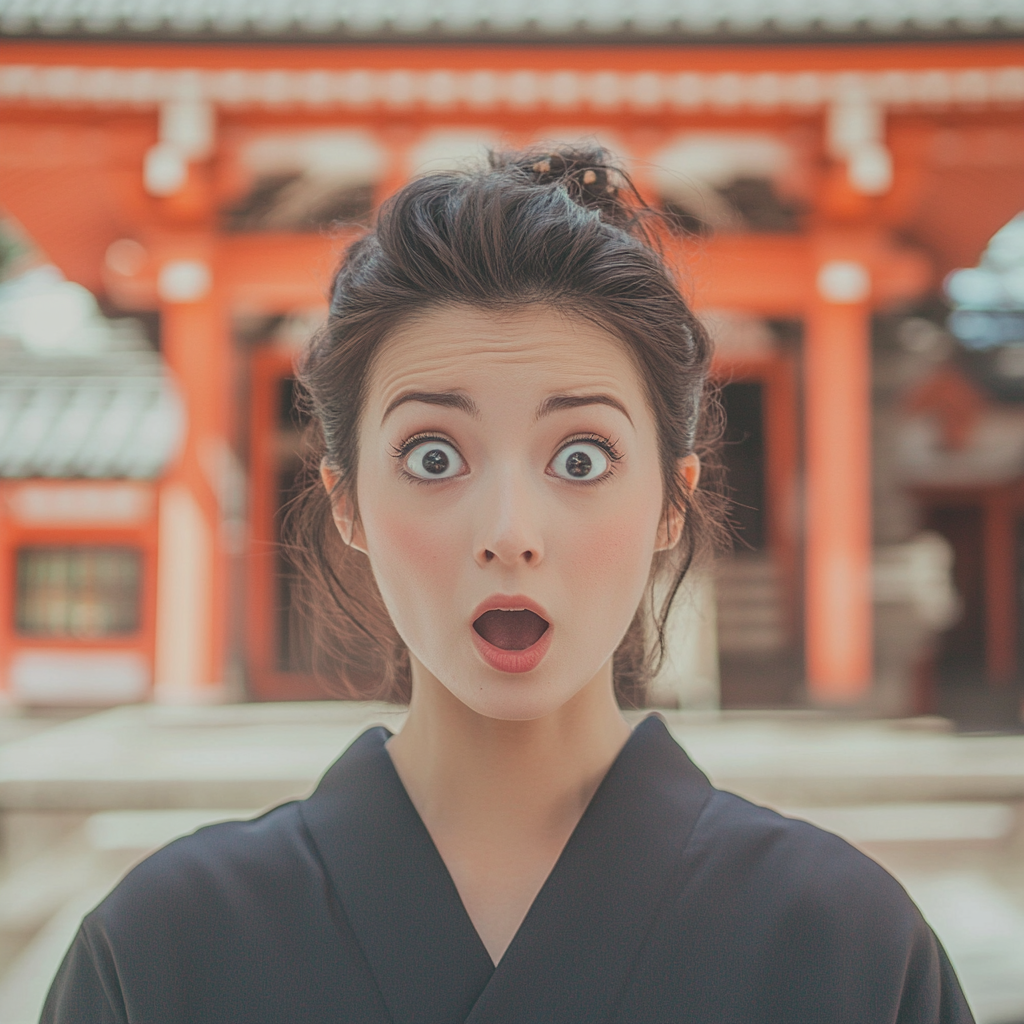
(86, 989)
(931, 990)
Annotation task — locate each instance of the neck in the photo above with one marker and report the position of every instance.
(465, 771)
(501, 798)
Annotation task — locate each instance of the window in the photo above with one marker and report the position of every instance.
(82, 593)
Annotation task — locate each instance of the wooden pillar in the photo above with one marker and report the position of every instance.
(782, 454)
(1000, 591)
(837, 402)
(192, 565)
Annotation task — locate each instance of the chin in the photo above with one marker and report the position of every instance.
(520, 697)
(509, 707)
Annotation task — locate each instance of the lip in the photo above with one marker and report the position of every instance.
(511, 661)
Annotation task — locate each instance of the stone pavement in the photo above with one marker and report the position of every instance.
(83, 800)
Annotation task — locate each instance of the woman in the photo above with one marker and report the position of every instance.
(509, 392)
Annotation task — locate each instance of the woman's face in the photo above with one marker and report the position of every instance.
(510, 501)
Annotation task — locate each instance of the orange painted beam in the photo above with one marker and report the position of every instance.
(777, 57)
(63, 181)
(766, 274)
(770, 275)
(278, 273)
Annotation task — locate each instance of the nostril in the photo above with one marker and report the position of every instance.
(527, 555)
(488, 555)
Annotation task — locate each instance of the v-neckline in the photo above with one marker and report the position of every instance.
(397, 893)
(451, 877)
(572, 948)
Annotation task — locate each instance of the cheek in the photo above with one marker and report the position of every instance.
(609, 556)
(411, 551)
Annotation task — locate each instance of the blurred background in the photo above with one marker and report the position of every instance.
(844, 181)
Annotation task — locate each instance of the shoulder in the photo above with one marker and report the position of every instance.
(237, 922)
(230, 866)
(771, 918)
(229, 849)
(794, 869)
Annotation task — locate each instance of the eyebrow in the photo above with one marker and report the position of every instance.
(556, 403)
(448, 399)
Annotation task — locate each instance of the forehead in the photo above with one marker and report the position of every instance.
(538, 349)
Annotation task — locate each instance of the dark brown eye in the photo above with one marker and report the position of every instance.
(580, 461)
(434, 460)
(578, 464)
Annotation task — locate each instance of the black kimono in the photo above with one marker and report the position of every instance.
(672, 902)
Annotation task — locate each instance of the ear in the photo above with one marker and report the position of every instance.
(671, 528)
(341, 509)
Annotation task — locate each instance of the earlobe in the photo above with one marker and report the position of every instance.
(341, 509)
(671, 529)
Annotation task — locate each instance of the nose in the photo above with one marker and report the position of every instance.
(509, 532)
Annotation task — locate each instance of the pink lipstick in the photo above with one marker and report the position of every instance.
(511, 632)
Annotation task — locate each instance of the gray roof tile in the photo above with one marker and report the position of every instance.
(107, 417)
(431, 19)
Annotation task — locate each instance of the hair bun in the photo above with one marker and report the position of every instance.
(587, 174)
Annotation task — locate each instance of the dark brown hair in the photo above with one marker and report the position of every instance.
(565, 229)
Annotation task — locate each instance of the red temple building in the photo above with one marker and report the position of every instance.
(198, 168)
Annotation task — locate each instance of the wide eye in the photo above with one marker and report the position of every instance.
(434, 460)
(580, 461)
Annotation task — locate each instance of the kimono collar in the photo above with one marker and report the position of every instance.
(572, 954)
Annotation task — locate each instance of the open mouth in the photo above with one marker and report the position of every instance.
(511, 629)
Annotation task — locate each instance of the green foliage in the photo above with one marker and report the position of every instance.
(15, 249)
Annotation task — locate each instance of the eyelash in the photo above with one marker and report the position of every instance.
(400, 452)
(606, 444)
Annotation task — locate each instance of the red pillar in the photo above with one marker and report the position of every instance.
(782, 439)
(192, 558)
(1000, 591)
(837, 403)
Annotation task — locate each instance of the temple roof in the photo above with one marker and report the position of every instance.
(621, 21)
(116, 415)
